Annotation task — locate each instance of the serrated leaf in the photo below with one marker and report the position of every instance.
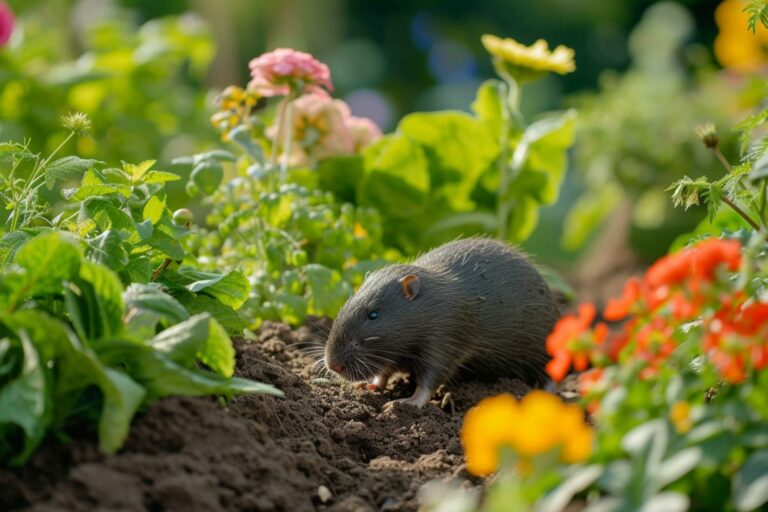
(166, 244)
(92, 185)
(10, 243)
(152, 177)
(153, 209)
(67, 168)
(108, 249)
(137, 171)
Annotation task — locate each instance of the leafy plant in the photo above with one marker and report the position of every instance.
(635, 136)
(75, 347)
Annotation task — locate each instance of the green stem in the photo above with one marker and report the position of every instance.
(278, 133)
(510, 113)
(762, 200)
(288, 141)
(721, 157)
(741, 212)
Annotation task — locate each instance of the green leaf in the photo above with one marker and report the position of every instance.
(340, 175)
(138, 270)
(67, 168)
(95, 303)
(231, 288)
(589, 211)
(458, 147)
(162, 377)
(241, 135)
(153, 209)
(93, 185)
(396, 180)
(559, 499)
(678, 465)
(166, 244)
(207, 175)
(24, 401)
(232, 321)
(48, 259)
(667, 501)
(107, 249)
(10, 243)
(150, 298)
(200, 337)
(461, 224)
(107, 216)
(750, 483)
(159, 177)
(137, 172)
(122, 398)
(488, 104)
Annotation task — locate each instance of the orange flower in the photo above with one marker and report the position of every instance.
(616, 309)
(699, 261)
(680, 416)
(559, 343)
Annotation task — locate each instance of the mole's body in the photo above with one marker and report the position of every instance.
(475, 307)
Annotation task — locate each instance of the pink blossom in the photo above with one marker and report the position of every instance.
(277, 72)
(363, 132)
(319, 128)
(6, 23)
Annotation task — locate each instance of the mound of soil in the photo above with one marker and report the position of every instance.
(325, 446)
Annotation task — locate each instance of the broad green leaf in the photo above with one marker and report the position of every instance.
(93, 185)
(667, 501)
(95, 303)
(678, 465)
(200, 337)
(242, 136)
(48, 334)
(230, 319)
(150, 298)
(231, 288)
(107, 215)
(138, 270)
(67, 168)
(108, 249)
(159, 177)
(458, 148)
(524, 215)
(166, 244)
(207, 175)
(462, 224)
(24, 401)
(122, 398)
(396, 180)
(153, 209)
(137, 171)
(488, 104)
(10, 243)
(48, 259)
(558, 499)
(340, 175)
(162, 377)
(216, 154)
(750, 483)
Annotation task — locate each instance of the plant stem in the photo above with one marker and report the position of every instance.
(721, 157)
(509, 112)
(741, 212)
(762, 200)
(288, 141)
(159, 270)
(278, 133)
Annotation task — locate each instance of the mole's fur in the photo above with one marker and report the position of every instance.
(475, 307)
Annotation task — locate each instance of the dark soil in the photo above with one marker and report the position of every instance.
(325, 446)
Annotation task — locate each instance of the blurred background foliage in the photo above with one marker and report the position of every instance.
(148, 72)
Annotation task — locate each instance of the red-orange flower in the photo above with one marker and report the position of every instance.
(559, 343)
(699, 261)
(616, 309)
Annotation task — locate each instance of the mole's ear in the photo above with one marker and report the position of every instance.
(410, 285)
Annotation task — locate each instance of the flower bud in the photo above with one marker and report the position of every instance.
(708, 135)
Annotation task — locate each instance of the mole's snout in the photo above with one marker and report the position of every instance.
(337, 367)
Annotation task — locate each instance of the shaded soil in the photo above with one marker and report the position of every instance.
(325, 446)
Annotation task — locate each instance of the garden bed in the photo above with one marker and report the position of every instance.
(260, 452)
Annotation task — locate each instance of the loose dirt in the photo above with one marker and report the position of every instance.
(325, 446)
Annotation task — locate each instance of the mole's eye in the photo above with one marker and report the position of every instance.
(373, 315)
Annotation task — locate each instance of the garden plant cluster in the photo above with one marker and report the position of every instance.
(111, 300)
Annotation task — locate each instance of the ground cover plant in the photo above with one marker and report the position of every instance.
(160, 348)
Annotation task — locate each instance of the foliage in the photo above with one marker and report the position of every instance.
(140, 86)
(75, 347)
(636, 135)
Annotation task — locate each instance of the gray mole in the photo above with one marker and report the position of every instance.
(472, 308)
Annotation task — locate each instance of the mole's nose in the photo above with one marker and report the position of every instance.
(337, 367)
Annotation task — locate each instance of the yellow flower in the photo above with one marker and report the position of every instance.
(680, 416)
(525, 63)
(538, 424)
(736, 47)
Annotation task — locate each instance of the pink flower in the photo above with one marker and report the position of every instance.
(283, 70)
(6, 23)
(363, 132)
